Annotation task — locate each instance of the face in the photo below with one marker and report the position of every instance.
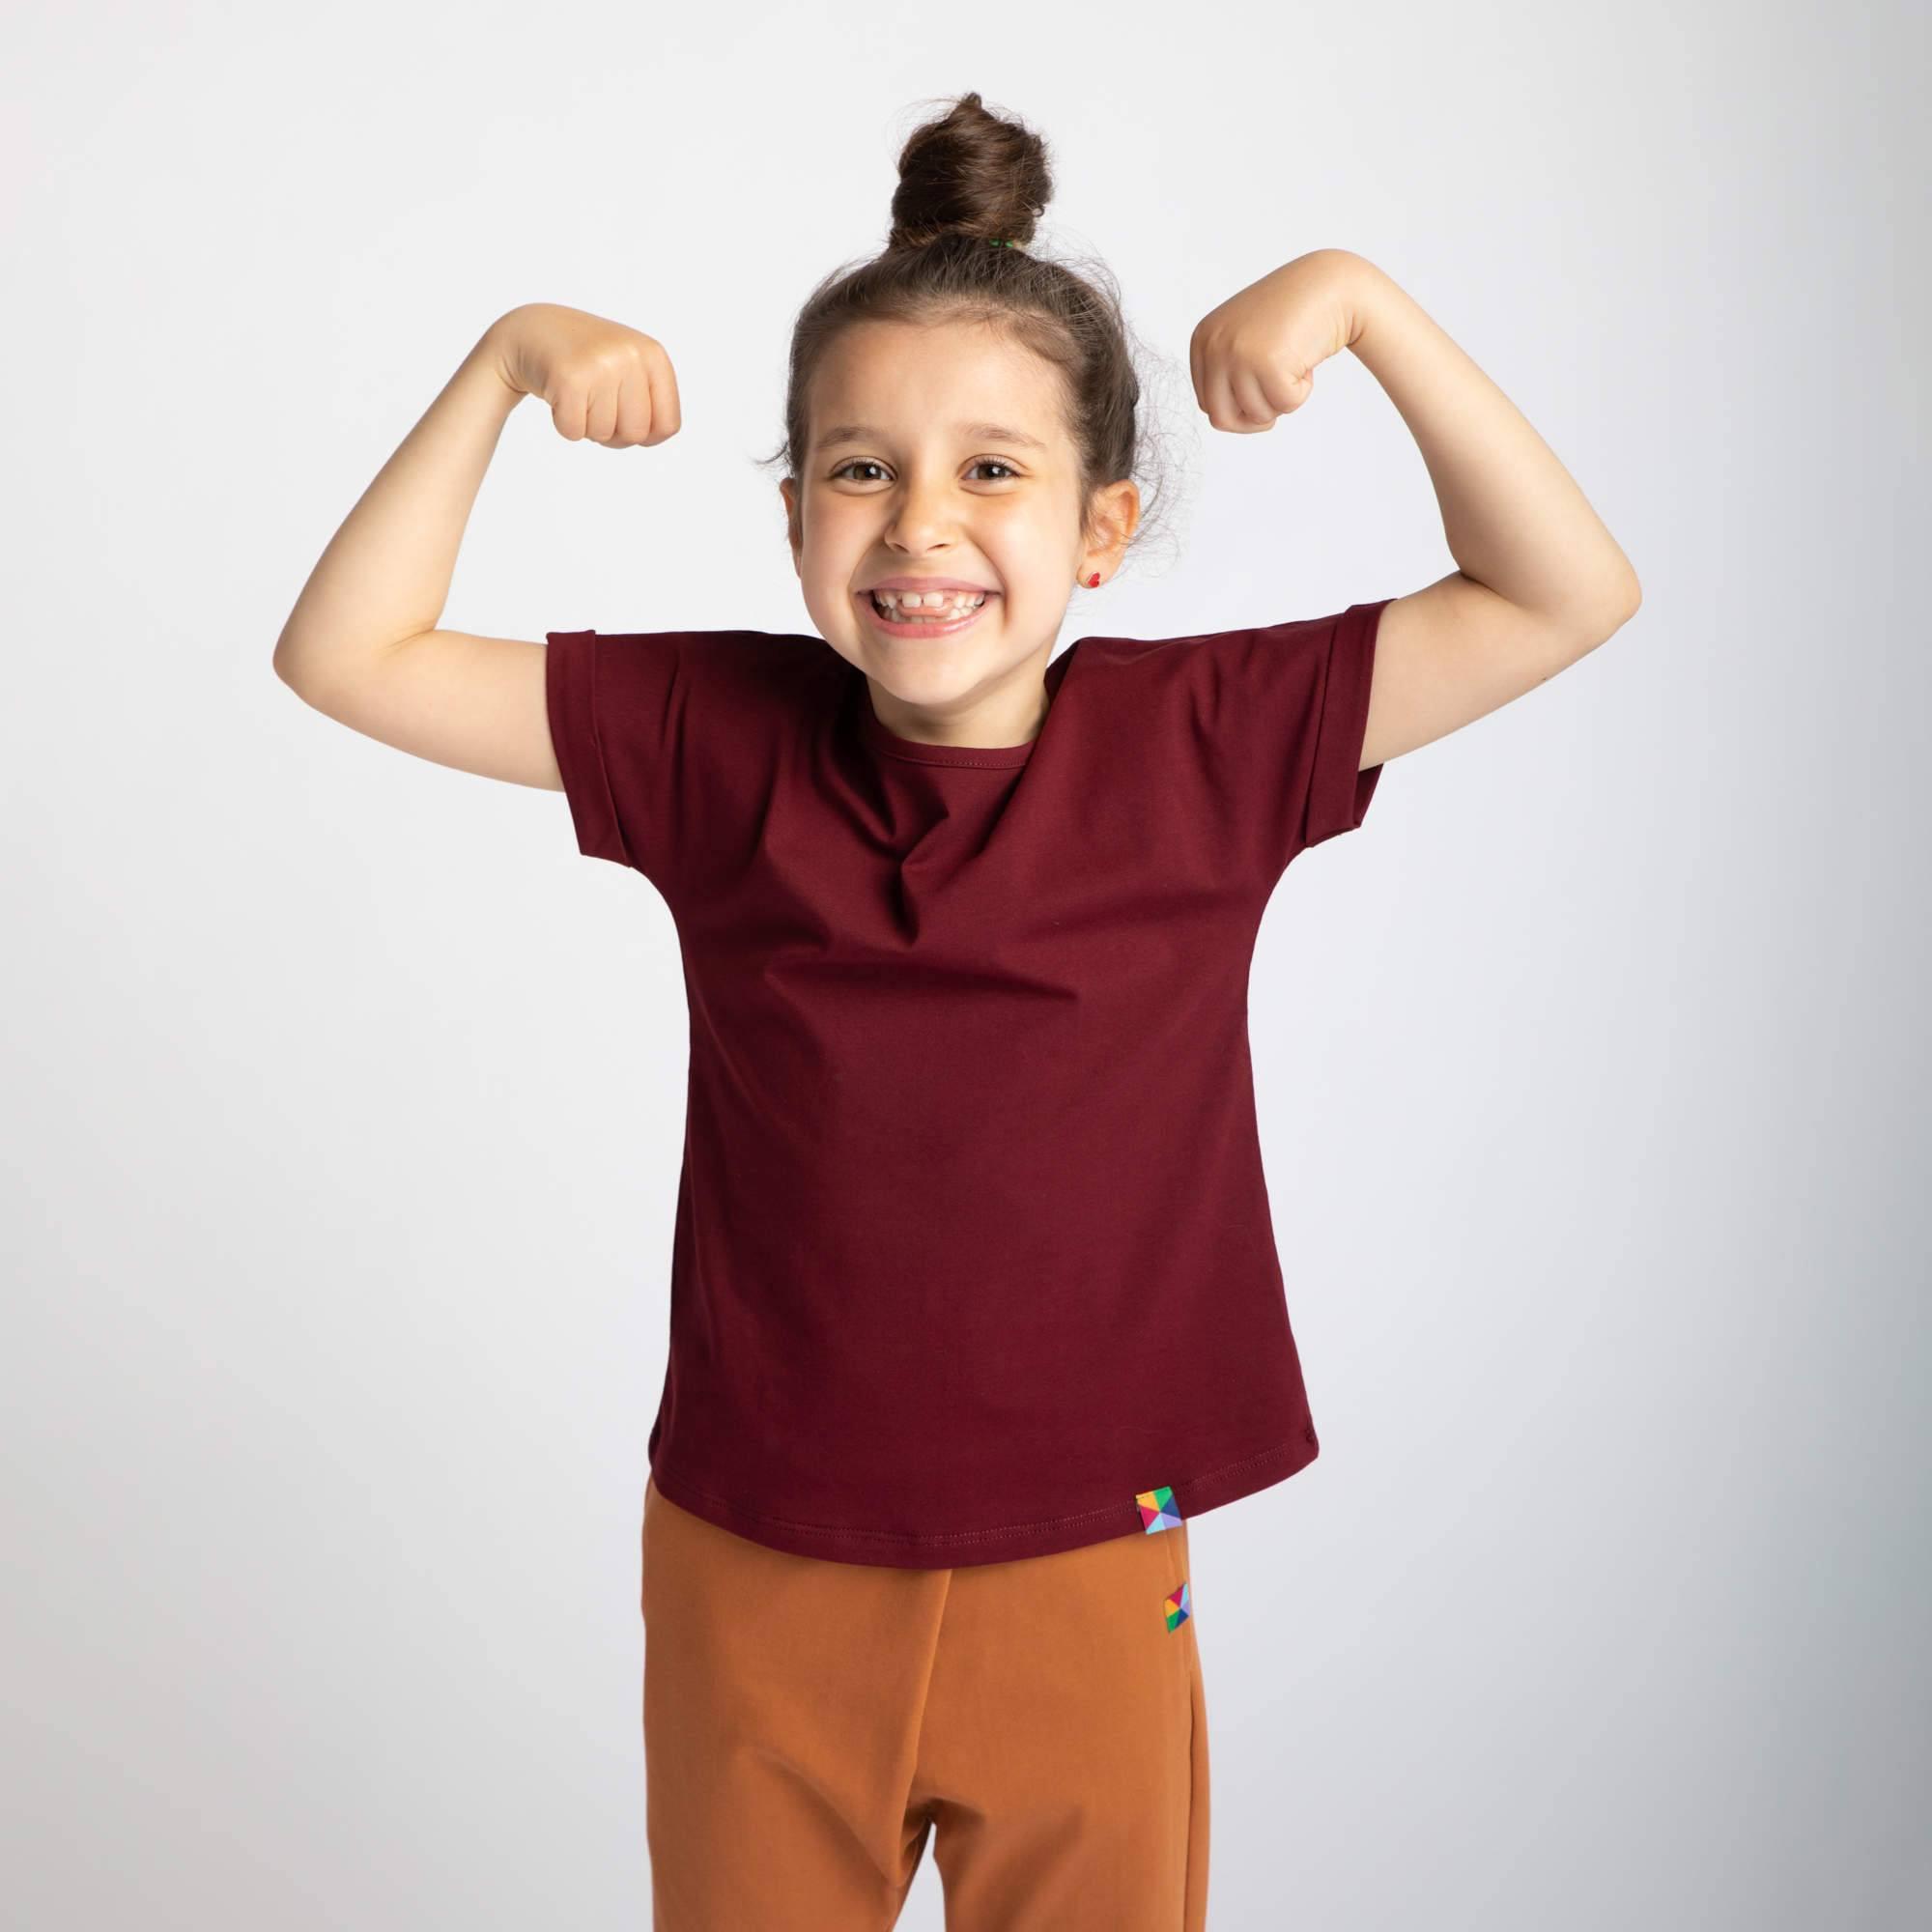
(905, 475)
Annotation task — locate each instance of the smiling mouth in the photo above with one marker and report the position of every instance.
(947, 626)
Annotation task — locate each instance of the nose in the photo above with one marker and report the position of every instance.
(922, 521)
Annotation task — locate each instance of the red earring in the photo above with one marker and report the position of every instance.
(1094, 581)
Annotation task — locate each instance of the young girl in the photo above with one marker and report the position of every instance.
(974, 1300)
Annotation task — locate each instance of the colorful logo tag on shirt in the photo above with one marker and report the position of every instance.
(1179, 1608)
(1157, 1509)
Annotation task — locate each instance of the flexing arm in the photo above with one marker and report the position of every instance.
(1539, 580)
(1541, 583)
(361, 644)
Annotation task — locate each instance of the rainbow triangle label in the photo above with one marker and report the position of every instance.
(1178, 1609)
(1157, 1509)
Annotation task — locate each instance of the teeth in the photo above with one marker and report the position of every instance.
(942, 602)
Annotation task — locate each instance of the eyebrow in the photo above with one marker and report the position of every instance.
(973, 432)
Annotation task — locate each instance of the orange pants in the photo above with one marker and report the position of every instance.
(808, 1723)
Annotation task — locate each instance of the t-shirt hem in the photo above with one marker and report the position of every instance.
(957, 1549)
(570, 697)
(1340, 793)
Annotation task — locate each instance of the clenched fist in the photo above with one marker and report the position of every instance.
(1254, 358)
(603, 381)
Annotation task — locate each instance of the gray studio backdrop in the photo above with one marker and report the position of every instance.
(343, 1100)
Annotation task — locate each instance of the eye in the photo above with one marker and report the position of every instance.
(978, 462)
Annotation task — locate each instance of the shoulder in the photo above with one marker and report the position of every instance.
(1228, 662)
(731, 652)
(1193, 651)
(745, 664)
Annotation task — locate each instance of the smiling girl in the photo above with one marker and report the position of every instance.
(975, 1297)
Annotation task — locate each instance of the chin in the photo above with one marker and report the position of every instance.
(929, 686)
(917, 663)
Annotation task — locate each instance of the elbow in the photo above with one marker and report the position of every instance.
(287, 669)
(297, 669)
(1617, 607)
(1594, 626)
(1628, 598)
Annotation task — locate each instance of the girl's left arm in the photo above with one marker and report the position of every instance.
(1540, 582)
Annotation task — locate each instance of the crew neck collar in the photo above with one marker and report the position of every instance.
(915, 751)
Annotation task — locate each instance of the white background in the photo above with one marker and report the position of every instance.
(343, 1100)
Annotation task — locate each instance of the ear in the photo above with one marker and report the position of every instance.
(1113, 515)
(794, 534)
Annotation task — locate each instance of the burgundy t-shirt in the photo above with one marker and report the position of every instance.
(973, 1248)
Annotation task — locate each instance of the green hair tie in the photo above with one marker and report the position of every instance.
(992, 243)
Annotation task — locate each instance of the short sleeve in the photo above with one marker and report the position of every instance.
(670, 744)
(1289, 705)
(616, 706)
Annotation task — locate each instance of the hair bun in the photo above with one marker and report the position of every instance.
(973, 173)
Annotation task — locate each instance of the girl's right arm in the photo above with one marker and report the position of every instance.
(361, 644)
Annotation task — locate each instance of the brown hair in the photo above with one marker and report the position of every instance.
(968, 180)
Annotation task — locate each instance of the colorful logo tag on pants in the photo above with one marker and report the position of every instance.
(1157, 1509)
(1179, 1608)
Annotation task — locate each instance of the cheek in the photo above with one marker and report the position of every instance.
(830, 557)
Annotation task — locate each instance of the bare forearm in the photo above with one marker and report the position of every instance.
(386, 572)
(1515, 518)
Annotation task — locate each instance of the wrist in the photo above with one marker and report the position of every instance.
(1365, 292)
(494, 352)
